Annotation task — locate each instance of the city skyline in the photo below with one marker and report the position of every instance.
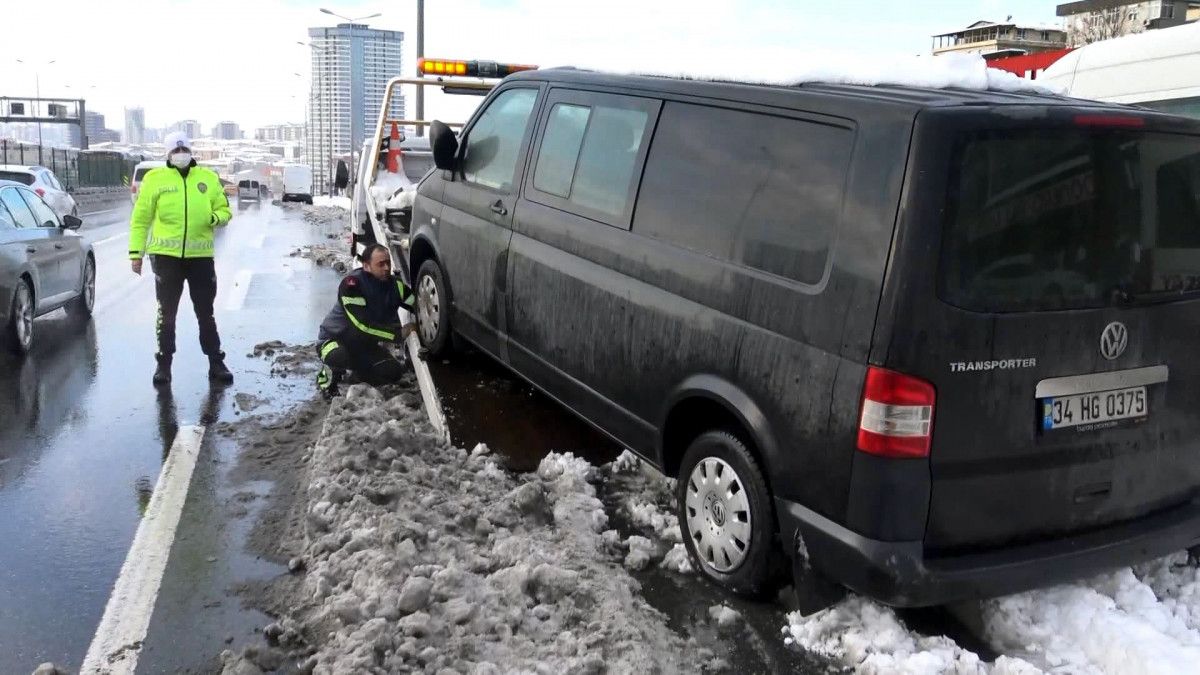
(247, 58)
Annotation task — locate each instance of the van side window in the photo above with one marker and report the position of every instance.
(755, 189)
(494, 142)
(589, 152)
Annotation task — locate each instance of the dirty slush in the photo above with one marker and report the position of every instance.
(412, 555)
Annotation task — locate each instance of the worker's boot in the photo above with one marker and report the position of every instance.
(162, 374)
(217, 372)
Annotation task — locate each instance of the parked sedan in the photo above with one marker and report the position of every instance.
(44, 264)
(42, 181)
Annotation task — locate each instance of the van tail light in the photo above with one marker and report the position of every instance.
(1120, 121)
(897, 415)
(40, 192)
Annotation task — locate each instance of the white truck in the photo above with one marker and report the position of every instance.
(298, 184)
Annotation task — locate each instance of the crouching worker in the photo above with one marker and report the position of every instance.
(364, 315)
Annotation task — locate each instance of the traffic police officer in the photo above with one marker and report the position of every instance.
(178, 207)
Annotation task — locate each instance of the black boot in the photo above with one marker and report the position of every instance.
(162, 374)
(217, 372)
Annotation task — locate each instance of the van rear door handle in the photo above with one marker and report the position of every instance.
(498, 208)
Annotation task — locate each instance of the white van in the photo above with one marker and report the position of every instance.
(298, 184)
(139, 172)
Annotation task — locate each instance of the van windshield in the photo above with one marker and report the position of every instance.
(1071, 219)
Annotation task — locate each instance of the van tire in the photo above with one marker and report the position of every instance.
(757, 569)
(433, 323)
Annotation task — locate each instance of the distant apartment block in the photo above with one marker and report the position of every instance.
(1095, 20)
(280, 132)
(991, 40)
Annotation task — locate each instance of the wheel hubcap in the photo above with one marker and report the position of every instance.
(718, 515)
(89, 285)
(24, 316)
(428, 309)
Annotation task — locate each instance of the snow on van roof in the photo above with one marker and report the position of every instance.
(1149, 66)
(946, 71)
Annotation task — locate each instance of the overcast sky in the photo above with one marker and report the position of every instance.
(213, 60)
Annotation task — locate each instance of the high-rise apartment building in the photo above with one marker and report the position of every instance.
(189, 127)
(135, 126)
(351, 66)
(227, 131)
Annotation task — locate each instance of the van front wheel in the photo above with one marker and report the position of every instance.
(433, 308)
(725, 513)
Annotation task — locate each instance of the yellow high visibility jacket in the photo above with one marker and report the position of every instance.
(175, 216)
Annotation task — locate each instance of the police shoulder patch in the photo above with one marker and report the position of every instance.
(202, 187)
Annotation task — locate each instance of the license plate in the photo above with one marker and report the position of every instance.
(1096, 410)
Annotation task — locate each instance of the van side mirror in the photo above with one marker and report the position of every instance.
(71, 222)
(444, 144)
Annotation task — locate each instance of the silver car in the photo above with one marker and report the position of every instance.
(44, 265)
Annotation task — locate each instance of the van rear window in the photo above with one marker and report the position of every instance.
(1071, 219)
(141, 173)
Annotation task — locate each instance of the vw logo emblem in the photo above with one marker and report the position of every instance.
(1114, 340)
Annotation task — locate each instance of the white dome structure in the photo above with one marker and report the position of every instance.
(1159, 69)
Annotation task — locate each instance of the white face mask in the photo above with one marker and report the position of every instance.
(180, 160)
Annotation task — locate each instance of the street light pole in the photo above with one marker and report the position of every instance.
(350, 21)
(420, 55)
(37, 84)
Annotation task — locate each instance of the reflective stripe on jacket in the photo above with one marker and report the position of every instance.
(175, 215)
(366, 308)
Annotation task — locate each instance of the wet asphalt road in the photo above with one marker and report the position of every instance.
(83, 436)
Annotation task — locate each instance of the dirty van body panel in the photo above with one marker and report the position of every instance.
(988, 333)
(474, 229)
(619, 323)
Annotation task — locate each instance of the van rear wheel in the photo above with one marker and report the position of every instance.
(725, 511)
(433, 309)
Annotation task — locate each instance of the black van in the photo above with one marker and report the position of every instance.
(933, 344)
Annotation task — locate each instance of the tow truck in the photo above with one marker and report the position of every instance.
(381, 209)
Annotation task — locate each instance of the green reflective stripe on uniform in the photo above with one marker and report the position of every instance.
(328, 347)
(361, 302)
(323, 378)
(381, 334)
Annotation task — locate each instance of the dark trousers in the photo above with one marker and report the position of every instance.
(365, 358)
(201, 277)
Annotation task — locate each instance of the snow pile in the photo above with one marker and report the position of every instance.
(869, 637)
(647, 503)
(422, 556)
(337, 202)
(338, 259)
(1140, 620)
(393, 190)
(947, 71)
(326, 214)
(1111, 624)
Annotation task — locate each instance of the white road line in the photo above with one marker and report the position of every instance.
(101, 213)
(115, 237)
(241, 286)
(118, 641)
(433, 404)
